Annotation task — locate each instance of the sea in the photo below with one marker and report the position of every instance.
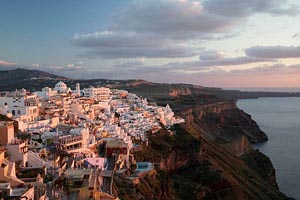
(279, 118)
(267, 89)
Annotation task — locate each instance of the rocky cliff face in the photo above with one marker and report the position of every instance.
(262, 165)
(180, 91)
(223, 121)
(192, 168)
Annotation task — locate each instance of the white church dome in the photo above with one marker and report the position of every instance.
(61, 87)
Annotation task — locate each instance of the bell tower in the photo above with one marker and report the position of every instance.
(78, 89)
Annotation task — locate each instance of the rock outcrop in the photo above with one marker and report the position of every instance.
(180, 91)
(223, 121)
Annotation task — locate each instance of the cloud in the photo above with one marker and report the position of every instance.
(35, 65)
(178, 19)
(172, 28)
(6, 63)
(264, 69)
(273, 51)
(211, 55)
(240, 8)
(192, 65)
(132, 44)
(132, 64)
(172, 18)
(74, 67)
(168, 72)
(276, 75)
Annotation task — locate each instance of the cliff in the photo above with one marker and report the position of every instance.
(223, 121)
(193, 168)
(224, 165)
(215, 118)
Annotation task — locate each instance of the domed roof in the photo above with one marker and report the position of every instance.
(60, 84)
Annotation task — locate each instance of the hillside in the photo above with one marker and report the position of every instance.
(25, 78)
(26, 74)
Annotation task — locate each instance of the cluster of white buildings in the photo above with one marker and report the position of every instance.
(21, 105)
(92, 125)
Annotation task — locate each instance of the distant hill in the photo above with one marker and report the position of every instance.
(26, 74)
(25, 78)
(34, 80)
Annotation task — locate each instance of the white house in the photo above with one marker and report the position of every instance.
(101, 94)
(46, 93)
(21, 105)
(78, 139)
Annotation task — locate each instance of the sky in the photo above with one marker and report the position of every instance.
(220, 43)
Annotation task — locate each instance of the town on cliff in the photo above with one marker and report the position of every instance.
(60, 143)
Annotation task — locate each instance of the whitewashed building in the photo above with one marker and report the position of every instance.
(46, 93)
(101, 94)
(20, 105)
(61, 87)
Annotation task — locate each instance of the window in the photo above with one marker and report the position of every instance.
(19, 112)
(5, 104)
(13, 112)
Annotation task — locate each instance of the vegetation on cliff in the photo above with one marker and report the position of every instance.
(261, 164)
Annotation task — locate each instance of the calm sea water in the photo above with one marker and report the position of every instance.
(268, 89)
(279, 118)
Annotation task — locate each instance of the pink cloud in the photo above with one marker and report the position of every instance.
(6, 63)
(35, 65)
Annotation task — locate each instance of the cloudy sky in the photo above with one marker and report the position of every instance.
(225, 43)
